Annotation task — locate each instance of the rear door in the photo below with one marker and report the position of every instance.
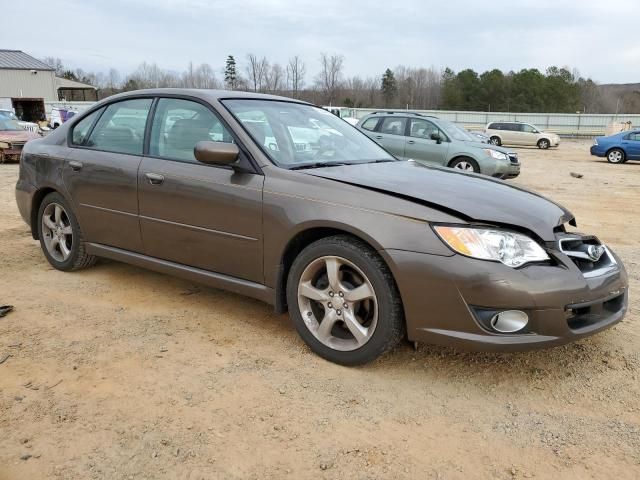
(101, 172)
(420, 146)
(390, 133)
(204, 216)
(631, 144)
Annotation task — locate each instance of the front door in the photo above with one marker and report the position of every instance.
(101, 173)
(390, 135)
(199, 215)
(420, 146)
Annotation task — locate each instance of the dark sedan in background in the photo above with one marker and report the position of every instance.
(284, 202)
(618, 148)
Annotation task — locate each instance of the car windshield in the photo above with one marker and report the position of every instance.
(296, 135)
(456, 132)
(6, 124)
(8, 114)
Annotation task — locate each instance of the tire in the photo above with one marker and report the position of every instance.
(495, 141)
(543, 144)
(465, 164)
(379, 313)
(616, 155)
(60, 236)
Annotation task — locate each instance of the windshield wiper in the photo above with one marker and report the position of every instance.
(318, 165)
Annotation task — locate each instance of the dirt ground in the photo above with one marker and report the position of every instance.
(117, 372)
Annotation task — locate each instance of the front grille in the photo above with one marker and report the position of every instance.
(587, 253)
(17, 145)
(513, 157)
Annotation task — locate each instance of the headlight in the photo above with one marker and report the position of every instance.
(495, 154)
(595, 141)
(511, 248)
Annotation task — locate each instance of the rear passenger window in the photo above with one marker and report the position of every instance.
(179, 124)
(393, 125)
(121, 127)
(81, 130)
(370, 124)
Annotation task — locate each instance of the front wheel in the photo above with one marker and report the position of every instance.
(466, 165)
(616, 156)
(495, 141)
(543, 144)
(60, 235)
(344, 301)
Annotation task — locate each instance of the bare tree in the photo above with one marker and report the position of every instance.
(296, 71)
(113, 80)
(275, 78)
(330, 76)
(257, 71)
(56, 64)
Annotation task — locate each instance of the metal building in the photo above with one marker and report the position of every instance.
(26, 84)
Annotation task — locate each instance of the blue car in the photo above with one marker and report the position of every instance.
(618, 148)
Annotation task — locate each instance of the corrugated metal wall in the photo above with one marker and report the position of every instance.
(23, 83)
(561, 123)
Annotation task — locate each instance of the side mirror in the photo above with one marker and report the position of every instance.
(436, 136)
(216, 153)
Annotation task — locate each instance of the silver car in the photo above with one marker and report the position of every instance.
(431, 140)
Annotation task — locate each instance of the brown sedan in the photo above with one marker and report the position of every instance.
(282, 201)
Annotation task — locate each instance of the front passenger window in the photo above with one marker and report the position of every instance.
(179, 124)
(121, 127)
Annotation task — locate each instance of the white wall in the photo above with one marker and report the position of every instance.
(23, 83)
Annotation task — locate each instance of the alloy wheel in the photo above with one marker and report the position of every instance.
(57, 232)
(464, 165)
(338, 303)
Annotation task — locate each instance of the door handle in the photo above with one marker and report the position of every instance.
(379, 137)
(75, 166)
(411, 142)
(154, 178)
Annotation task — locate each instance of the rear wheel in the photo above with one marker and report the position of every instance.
(616, 156)
(543, 144)
(495, 141)
(465, 164)
(60, 235)
(344, 301)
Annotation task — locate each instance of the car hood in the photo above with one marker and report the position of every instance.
(485, 146)
(17, 136)
(469, 196)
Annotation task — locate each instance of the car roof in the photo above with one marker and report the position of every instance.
(205, 94)
(400, 112)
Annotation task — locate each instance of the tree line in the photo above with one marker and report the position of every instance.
(558, 89)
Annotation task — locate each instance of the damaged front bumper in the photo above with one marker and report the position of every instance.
(450, 300)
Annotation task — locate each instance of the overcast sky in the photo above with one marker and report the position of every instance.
(598, 37)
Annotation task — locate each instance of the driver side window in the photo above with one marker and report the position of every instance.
(121, 127)
(422, 128)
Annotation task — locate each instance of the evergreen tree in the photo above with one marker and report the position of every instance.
(231, 74)
(389, 87)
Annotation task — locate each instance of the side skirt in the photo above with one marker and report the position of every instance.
(215, 280)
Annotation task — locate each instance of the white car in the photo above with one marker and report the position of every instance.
(30, 126)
